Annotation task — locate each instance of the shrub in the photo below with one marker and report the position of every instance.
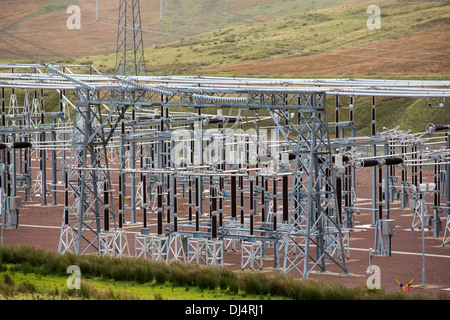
(26, 287)
(207, 278)
(181, 275)
(254, 283)
(228, 281)
(6, 290)
(7, 279)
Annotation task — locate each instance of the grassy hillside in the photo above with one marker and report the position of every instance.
(328, 31)
(45, 23)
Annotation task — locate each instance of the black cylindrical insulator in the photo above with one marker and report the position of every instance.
(233, 196)
(251, 225)
(251, 196)
(285, 199)
(213, 200)
(222, 187)
(435, 194)
(339, 197)
(3, 146)
(160, 210)
(440, 127)
(197, 221)
(370, 162)
(393, 161)
(214, 227)
(66, 198)
(197, 192)
(21, 145)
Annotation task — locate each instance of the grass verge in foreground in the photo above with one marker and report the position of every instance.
(28, 272)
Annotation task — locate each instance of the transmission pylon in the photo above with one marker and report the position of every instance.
(130, 48)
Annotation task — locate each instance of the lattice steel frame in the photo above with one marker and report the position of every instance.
(313, 218)
(130, 49)
(88, 175)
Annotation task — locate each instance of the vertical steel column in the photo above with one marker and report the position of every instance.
(197, 204)
(447, 177)
(54, 169)
(275, 202)
(337, 106)
(374, 168)
(264, 187)
(175, 204)
(133, 167)
(213, 192)
(252, 209)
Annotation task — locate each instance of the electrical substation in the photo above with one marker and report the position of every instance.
(201, 165)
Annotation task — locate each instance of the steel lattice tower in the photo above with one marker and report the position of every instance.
(130, 48)
(88, 208)
(313, 237)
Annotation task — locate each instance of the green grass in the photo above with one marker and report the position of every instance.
(36, 286)
(30, 273)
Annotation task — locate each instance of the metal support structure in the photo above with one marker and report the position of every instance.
(302, 217)
(314, 223)
(130, 48)
(88, 173)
